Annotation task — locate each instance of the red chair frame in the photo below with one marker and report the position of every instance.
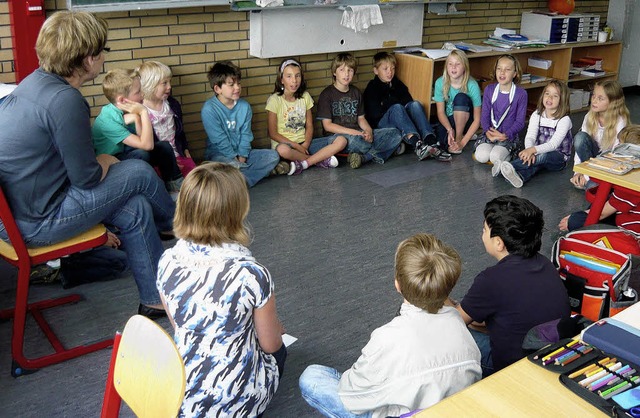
(26, 259)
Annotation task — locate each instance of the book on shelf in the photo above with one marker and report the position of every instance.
(592, 72)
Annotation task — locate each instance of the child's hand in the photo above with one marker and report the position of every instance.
(299, 148)
(451, 138)
(131, 107)
(528, 156)
(241, 159)
(367, 135)
(495, 135)
(112, 240)
(579, 180)
(564, 223)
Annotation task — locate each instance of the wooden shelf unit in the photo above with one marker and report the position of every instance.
(419, 73)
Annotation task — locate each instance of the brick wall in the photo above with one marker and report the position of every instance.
(189, 40)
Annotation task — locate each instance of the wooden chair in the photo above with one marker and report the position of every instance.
(146, 371)
(17, 254)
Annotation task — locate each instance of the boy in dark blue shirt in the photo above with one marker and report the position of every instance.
(521, 291)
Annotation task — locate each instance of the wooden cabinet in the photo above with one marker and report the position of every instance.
(419, 73)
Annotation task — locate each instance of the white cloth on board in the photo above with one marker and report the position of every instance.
(269, 3)
(360, 18)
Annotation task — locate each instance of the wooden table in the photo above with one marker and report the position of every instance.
(522, 390)
(630, 181)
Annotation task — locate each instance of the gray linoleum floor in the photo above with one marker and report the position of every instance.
(328, 238)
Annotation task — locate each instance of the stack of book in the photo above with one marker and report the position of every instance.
(589, 66)
(507, 39)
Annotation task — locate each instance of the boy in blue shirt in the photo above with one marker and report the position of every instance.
(123, 128)
(341, 110)
(227, 120)
(521, 291)
(388, 104)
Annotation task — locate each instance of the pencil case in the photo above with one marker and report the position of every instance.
(616, 377)
(594, 391)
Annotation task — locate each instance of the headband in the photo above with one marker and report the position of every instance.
(288, 62)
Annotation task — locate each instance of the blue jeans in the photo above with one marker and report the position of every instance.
(319, 387)
(484, 345)
(585, 146)
(161, 156)
(259, 164)
(131, 198)
(408, 119)
(552, 161)
(385, 142)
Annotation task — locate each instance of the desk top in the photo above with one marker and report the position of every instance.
(631, 180)
(522, 389)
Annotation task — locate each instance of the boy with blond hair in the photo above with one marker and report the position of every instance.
(123, 128)
(341, 110)
(388, 104)
(422, 356)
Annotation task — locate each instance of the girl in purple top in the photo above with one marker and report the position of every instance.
(504, 111)
(548, 140)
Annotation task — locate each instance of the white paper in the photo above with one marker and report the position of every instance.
(287, 340)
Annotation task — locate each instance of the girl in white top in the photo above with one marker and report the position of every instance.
(600, 128)
(548, 140)
(290, 123)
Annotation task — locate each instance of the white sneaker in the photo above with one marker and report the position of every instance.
(509, 173)
(400, 150)
(495, 170)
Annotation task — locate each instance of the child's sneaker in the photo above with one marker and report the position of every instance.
(401, 149)
(355, 160)
(495, 170)
(296, 168)
(509, 173)
(281, 168)
(430, 151)
(330, 162)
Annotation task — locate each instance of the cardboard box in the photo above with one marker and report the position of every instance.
(575, 99)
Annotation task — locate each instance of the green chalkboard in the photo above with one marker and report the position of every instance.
(120, 5)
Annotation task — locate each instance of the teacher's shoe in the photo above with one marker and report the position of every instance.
(151, 313)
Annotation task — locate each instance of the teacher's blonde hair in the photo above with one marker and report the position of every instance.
(212, 206)
(67, 38)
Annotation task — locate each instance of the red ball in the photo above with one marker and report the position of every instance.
(562, 6)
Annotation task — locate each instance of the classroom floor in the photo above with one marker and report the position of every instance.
(328, 238)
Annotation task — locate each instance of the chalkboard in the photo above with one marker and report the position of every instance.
(123, 5)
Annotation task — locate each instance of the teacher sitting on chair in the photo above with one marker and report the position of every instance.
(55, 184)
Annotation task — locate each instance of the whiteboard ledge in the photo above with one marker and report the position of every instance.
(143, 5)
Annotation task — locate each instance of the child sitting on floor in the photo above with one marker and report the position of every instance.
(623, 206)
(388, 104)
(227, 120)
(422, 356)
(165, 112)
(548, 140)
(521, 291)
(220, 300)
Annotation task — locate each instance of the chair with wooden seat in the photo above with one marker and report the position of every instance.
(146, 371)
(17, 254)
